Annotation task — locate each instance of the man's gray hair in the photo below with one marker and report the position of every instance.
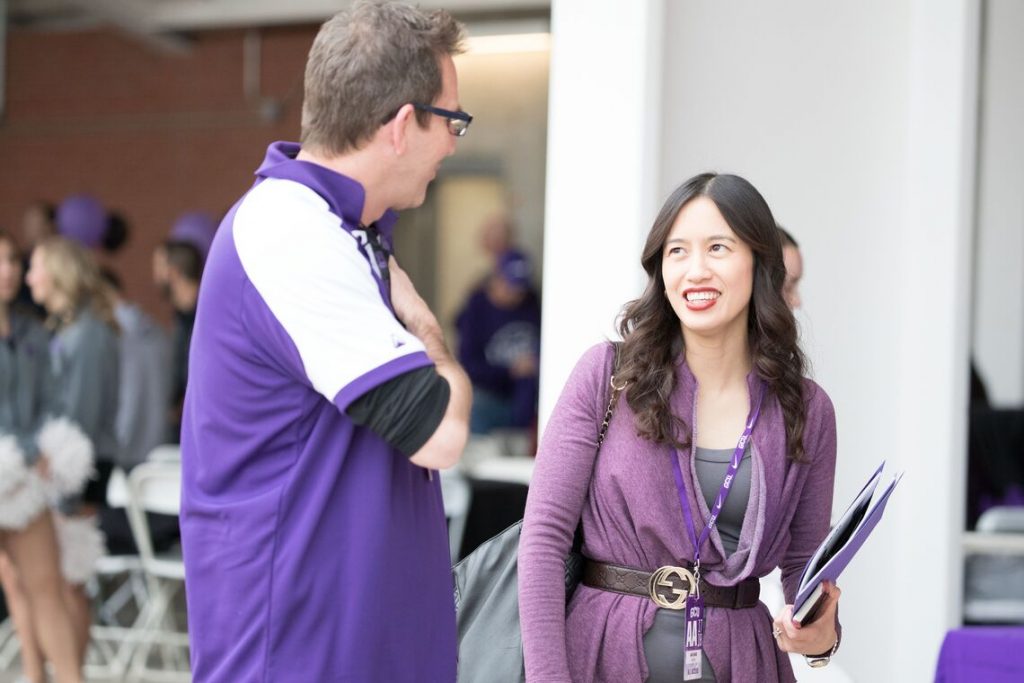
(368, 61)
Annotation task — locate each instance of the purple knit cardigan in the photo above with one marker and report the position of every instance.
(631, 516)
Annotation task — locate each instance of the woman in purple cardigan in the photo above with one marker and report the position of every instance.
(715, 420)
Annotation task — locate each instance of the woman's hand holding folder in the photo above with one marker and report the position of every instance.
(811, 638)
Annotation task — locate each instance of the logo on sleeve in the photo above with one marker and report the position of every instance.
(397, 341)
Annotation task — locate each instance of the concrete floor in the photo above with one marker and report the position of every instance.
(10, 677)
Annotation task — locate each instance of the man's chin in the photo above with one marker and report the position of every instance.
(412, 202)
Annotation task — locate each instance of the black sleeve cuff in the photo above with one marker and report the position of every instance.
(406, 410)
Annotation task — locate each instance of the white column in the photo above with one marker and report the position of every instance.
(858, 127)
(924, 591)
(603, 138)
(999, 261)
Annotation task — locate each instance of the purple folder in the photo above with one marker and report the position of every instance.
(843, 541)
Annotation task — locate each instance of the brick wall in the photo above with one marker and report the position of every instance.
(150, 134)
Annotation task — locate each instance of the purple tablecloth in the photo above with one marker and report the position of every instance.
(982, 654)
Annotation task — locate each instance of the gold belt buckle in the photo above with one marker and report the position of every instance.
(670, 586)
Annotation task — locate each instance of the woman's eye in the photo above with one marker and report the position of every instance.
(719, 248)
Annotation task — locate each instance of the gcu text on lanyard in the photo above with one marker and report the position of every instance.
(693, 662)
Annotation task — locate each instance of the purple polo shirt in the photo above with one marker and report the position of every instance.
(314, 551)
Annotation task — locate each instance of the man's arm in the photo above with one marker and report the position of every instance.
(444, 447)
(404, 411)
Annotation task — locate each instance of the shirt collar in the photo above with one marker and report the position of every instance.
(344, 195)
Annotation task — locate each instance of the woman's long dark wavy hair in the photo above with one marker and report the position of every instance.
(652, 339)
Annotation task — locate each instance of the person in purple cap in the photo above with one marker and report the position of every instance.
(184, 271)
(38, 222)
(82, 219)
(321, 395)
(499, 345)
(196, 228)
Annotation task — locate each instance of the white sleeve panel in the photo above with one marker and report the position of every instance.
(318, 285)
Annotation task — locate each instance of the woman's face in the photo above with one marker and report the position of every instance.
(39, 280)
(708, 271)
(36, 226)
(794, 273)
(10, 272)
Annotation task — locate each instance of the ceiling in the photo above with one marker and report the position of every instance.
(169, 25)
(155, 17)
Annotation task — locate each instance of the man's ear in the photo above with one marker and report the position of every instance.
(401, 127)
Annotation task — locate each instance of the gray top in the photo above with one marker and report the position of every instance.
(25, 382)
(145, 390)
(85, 361)
(712, 464)
(662, 650)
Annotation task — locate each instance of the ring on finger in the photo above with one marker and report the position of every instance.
(776, 632)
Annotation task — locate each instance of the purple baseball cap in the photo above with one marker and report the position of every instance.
(83, 219)
(514, 267)
(196, 228)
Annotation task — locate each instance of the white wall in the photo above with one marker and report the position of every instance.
(856, 121)
(507, 93)
(933, 335)
(603, 128)
(999, 275)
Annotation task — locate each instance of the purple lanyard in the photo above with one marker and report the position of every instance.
(730, 474)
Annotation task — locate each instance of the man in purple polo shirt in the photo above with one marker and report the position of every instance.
(321, 395)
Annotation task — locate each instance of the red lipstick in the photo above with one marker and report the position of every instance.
(701, 303)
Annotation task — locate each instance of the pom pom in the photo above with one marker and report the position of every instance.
(70, 456)
(81, 545)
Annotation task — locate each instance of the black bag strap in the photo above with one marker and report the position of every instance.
(613, 397)
(574, 569)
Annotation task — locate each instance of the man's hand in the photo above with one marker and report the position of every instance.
(444, 448)
(410, 308)
(524, 365)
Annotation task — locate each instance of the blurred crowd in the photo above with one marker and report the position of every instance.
(91, 383)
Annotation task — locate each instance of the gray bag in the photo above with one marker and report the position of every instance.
(487, 596)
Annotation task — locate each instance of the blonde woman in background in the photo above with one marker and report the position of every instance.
(84, 359)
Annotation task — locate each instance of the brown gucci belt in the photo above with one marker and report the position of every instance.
(668, 586)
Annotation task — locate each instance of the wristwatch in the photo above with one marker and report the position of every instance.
(819, 661)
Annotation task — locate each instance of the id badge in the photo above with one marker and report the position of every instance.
(693, 662)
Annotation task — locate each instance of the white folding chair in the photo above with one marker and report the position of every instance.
(1003, 519)
(994, 580)
(114, 633)
(9, 647)
(457, 496)
(168, 452)
(156, 487)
